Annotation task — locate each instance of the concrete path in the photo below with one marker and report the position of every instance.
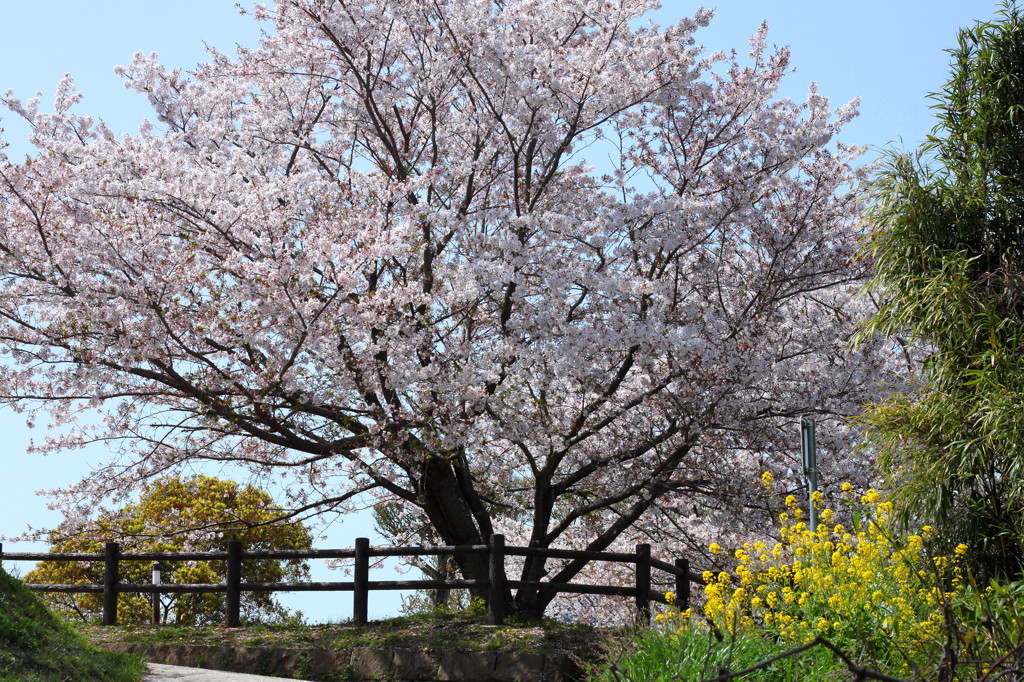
(157, 672)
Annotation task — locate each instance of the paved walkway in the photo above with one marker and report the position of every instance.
(157, 672)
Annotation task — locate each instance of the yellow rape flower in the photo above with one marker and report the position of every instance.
(787, 589)
(870, 497)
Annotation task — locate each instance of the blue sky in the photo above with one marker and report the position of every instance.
(891, 54)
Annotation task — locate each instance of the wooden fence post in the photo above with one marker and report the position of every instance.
(361, 576)
(683, 584)
(112, 552)
(496, 590)
(233, 598)
(643, 583)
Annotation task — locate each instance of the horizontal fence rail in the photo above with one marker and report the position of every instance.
(361, 585)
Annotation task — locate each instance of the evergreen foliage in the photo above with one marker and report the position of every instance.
(947, 243)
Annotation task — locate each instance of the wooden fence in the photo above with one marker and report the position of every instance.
(361, 585)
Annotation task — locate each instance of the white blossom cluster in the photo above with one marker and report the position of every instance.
(528, 267)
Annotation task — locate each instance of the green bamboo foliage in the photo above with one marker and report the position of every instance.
(947, 243)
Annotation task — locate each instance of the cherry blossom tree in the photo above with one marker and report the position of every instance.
(528, 266)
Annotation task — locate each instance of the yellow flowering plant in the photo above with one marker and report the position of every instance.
(886, 601)
(878, 598)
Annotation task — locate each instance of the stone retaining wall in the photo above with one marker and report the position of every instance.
(365, 663)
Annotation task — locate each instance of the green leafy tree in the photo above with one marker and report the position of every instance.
(199, 514)
(947, 243)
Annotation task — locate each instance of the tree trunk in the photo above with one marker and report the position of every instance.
(450, 514)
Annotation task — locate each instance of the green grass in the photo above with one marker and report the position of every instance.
(36, 646)
(694, 654)
(462, 631)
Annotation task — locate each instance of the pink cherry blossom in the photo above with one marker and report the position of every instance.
(530, 267)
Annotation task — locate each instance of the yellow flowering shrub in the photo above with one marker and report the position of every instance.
(889, 604)
(859, 587)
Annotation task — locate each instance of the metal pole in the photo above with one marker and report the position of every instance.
(810, 457)
(156, 595)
